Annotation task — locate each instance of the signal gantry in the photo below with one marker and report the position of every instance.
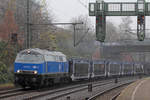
(101, 9)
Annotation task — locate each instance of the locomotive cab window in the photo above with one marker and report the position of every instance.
(50, 58)
(28, 58)
(57, 58)
(64, 59)
(60, 58)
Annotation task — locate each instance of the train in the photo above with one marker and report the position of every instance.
(36, 68)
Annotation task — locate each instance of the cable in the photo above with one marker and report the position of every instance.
(85, 6)
(81, 39)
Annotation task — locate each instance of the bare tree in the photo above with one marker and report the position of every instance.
(125, 28)
(112, 32)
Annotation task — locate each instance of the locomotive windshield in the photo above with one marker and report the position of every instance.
(29, 58)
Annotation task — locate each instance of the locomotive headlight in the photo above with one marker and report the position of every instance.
(35, 72)
(18, 71)
(28, 51)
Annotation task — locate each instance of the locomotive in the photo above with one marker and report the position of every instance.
(37, 68)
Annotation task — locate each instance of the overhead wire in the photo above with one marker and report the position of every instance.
(81, 39)
(85, 6)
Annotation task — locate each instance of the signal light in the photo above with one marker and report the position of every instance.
(138, 21)
(141, 19)
(98, 19)
(14, 37)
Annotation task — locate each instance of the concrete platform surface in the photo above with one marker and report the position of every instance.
(139, 90)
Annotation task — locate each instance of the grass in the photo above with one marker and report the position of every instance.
(7, 85)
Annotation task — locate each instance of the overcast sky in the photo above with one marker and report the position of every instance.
(65, 10)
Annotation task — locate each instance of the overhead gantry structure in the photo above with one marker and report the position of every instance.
(101, 9)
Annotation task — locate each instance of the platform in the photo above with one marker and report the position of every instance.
(139, 90)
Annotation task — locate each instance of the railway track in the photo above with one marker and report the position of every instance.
(55, 92)
(27, 94)
(10, 91)
(97, 96)
(14, 92)
(76, 90)
(70, 90)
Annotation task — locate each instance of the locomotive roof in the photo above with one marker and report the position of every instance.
(43, 52)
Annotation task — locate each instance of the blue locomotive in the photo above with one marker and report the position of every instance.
(36, 67)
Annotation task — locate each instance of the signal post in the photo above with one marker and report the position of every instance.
(100, 21)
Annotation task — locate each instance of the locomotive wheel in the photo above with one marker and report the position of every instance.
(37, 86)
(46, 82)
(62, 80)
(69, 80)
(50, 82)
(23, 86)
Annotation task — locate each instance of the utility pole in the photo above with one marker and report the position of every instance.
(74, 28)
(28, 25)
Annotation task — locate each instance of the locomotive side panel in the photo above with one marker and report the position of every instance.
(56, 64)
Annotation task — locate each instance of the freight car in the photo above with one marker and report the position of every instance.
(99, 68)
(114, 68)
(128, 68)
(79, 69)
(138, 68)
